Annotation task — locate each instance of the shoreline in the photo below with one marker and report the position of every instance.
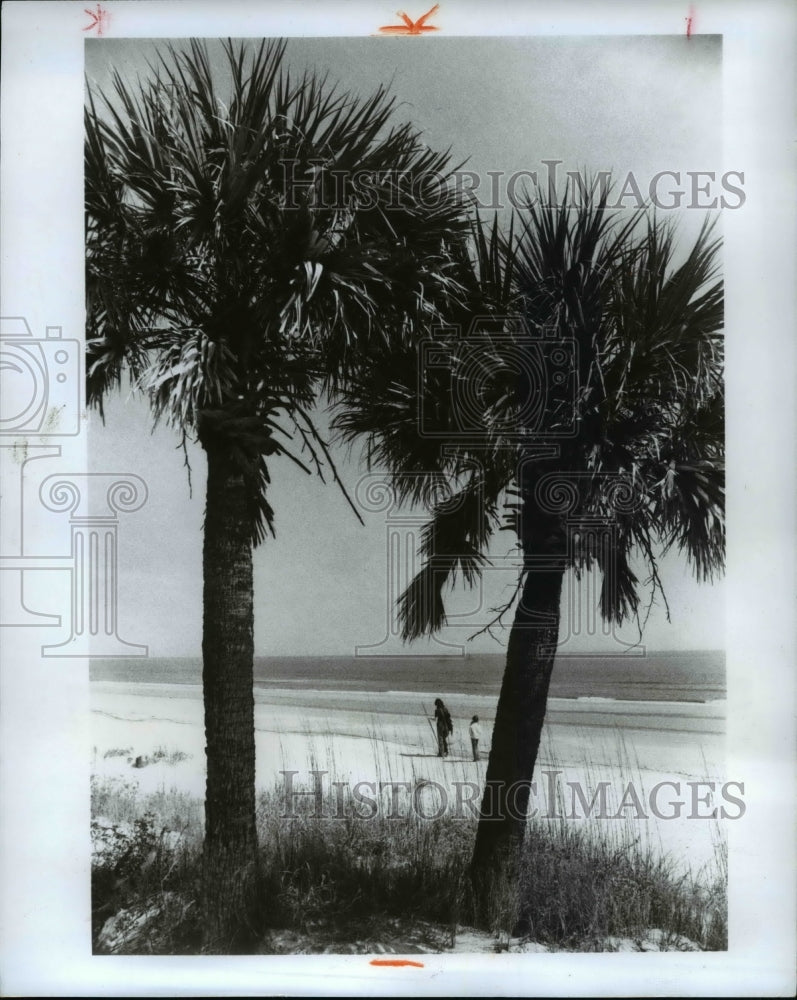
(699, 717)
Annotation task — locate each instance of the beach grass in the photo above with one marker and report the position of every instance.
(337, 875)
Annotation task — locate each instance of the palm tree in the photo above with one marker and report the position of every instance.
(241, 253)
(581, 407)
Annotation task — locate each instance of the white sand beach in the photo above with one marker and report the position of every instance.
(353, 737)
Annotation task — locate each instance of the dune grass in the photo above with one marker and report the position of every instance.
(333, 874)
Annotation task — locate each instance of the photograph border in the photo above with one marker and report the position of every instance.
(44, 777)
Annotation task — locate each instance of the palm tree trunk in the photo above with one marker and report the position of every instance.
(230, 852)
(516, 740)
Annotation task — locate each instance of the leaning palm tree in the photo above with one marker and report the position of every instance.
(241, 253)
(580, 407)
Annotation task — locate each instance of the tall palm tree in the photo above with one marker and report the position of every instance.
(581, 407)
(244, 246)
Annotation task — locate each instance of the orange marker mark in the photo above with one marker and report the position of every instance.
(396, 963)
(411, 27)
(99, 19)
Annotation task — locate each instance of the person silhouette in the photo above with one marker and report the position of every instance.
(444, 726)
(475, 735)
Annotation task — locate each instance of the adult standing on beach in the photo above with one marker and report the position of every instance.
(475, 735)
(444, 726)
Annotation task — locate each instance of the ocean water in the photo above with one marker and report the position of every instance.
(696, 677)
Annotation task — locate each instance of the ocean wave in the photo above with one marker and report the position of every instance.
(639, 701)
(634, 705)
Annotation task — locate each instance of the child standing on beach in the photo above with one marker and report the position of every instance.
(475, 735)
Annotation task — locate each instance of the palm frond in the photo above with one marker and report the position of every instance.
(644, 404)
(237, 261)
(453, 542)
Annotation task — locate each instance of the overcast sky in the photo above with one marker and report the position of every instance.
(641, 104)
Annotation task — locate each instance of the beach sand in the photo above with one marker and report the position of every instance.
(355, 737)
